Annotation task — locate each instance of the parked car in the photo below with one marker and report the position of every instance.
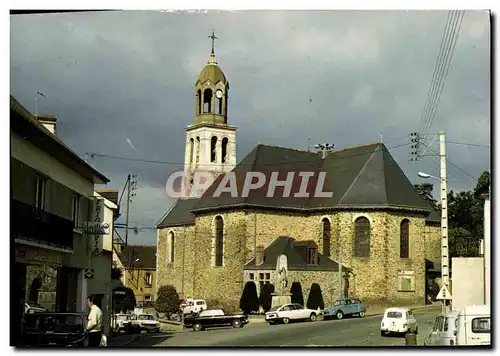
(193, 306)
(398, 321)
(444, 330)
(55, 330)
(290, 312)
(214, 318)
(474, 326)
(33, 308)
(120, 321)
(345, 307)
(142, 322)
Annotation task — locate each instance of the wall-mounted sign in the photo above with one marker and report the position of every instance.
(89, 273)
(100, 227)
(96, 228)
(33, 255)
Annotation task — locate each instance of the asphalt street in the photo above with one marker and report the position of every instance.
(347, 332)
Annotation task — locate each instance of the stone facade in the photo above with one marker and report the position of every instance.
(375, 279)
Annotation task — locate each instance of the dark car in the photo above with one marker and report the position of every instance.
(214, 318)
(345, 307)
(54, 330)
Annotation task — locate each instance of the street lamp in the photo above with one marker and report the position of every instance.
(445, 271)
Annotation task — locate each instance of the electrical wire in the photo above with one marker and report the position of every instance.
(463, 143)
(456, 166)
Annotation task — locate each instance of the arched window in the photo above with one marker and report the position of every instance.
(404, 239)
(213, 149)
(199, 102)
(327, 232)
(197, 149)
(219, 240)
(362, 238)
(171, 247)
(207, 101)
(191, 150)
(225, 140)
(312, 253)
(218, 106)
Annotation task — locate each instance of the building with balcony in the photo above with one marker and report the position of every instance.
(52, 196)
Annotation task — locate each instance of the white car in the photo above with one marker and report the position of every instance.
(289, 312)
(193, 306)
(398, 321)
(145, 322)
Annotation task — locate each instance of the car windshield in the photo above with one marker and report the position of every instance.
(200, 303)
(274, 308)
(146, 317)
(394, 315)
(54, 323)
(122, 317)
(337, 303)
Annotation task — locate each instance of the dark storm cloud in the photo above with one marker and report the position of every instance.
(338, 77)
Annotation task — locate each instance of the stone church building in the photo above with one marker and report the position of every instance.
(373, 223)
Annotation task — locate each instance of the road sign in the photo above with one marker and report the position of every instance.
(96, 228)
(89, 273)
(444, 294)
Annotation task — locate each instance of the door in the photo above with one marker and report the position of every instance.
(301, 312)
(355, 306)
(288, 311)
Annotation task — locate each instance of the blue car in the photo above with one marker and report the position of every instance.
(345, 307)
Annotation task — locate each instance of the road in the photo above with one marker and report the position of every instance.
(347, 332)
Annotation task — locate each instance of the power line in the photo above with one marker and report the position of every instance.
(240, 165)
(456, 166)
(463, 143)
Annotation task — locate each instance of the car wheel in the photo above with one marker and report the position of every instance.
(382, 333)
(339, 315)
(197, 327)
(362, 314)
(237, 324)
(286, 320)
(312, 317)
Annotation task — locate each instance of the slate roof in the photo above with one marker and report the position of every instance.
(296, 253)
(361, 177)
(145, 253)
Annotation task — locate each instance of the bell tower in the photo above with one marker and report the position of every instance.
(210, 140)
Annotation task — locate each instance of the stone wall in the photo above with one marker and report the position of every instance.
(375, 279)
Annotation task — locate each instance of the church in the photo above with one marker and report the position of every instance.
(372, 237)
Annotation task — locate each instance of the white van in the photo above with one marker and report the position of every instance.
(193, 306)
(474, 326)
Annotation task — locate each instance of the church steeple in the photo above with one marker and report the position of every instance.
(211, 92)
(210, 140)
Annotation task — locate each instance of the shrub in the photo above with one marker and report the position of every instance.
(297, 296)
(265, 298)
(249, 300)
(167, 301)
(315, 298)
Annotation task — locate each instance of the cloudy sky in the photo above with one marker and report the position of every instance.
(297, 78)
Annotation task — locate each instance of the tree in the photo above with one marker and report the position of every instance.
(123, 302)
(266, 298)
(167, 301)
(297, 296)
(315, 299)
(249, 300)
(116, 273)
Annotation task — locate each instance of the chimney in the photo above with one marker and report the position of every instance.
(49, 121)
(259, 255)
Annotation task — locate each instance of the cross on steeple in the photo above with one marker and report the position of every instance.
(213, 37)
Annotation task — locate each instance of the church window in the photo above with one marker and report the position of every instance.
(251, 276)
(219, 241)
(197, 149)
(224, 149)
(171, 247)
(327, 231)
(191, 150)
(312, 256)
(199, 102)
(404, 237)
(362, 237)
(207, 101)
(213, 149)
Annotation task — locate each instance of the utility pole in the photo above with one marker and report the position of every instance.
(131, 189)
(339, 249)
(445, 260)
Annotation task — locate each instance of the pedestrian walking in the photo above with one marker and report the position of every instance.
(94, 324)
